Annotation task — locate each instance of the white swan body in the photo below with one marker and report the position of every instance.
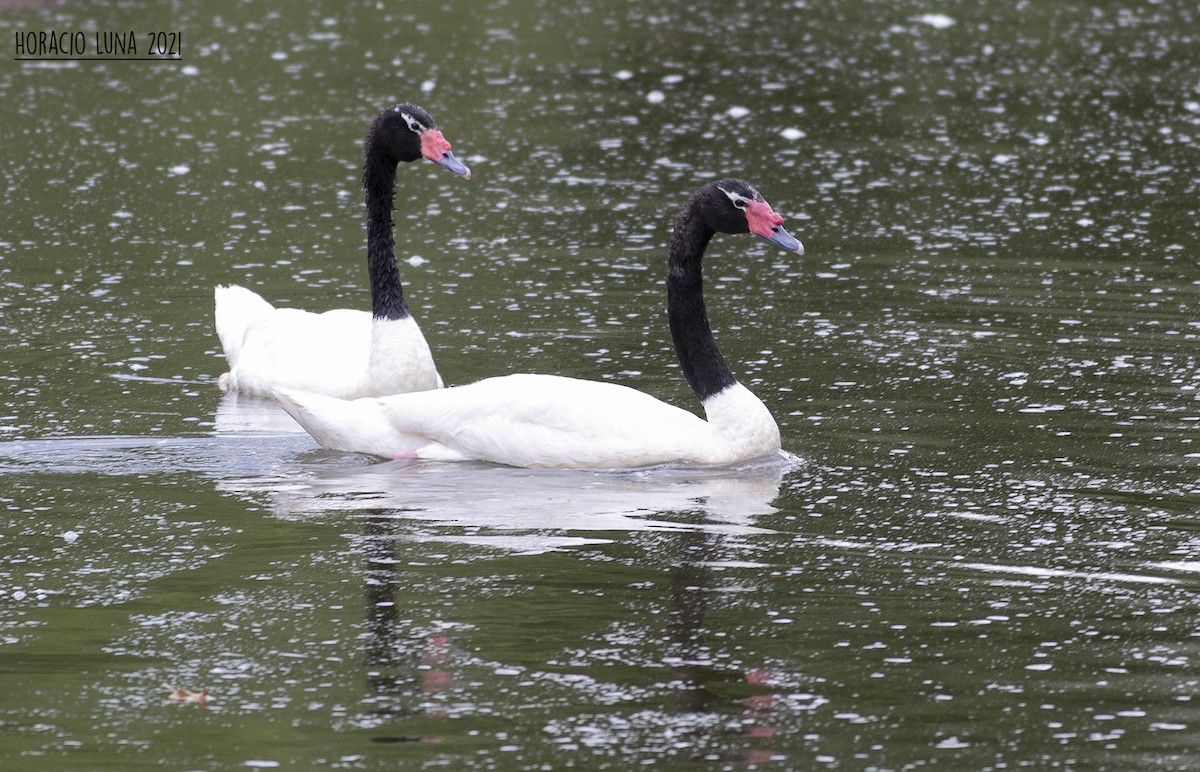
(341, 353)
(541, 421)
(552, 421)
(344, 353)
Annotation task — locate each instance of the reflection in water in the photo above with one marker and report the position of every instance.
(687, 652)
(536, 503)
(411, 668)
(623, 659)
(692, 513)
(402, 671)
(238, 412)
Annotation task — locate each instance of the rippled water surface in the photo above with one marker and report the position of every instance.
(985, 556)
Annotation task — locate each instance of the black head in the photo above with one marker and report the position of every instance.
(734, 206)
(405, 133)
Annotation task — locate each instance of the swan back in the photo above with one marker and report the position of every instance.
(325, 352)
(545, 421)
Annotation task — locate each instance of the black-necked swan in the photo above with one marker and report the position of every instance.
(344, 353)
(552, 421)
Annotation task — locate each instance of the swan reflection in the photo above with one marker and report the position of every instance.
(422, 667)
(538, 503)
(248, 413)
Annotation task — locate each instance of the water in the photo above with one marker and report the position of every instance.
(986, 556)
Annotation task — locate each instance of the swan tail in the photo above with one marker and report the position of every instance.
(350, 425)
(237, 308)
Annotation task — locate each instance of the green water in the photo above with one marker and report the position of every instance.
(987, 363)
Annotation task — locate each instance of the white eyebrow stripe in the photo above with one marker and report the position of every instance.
(733, 195)
(411, 120)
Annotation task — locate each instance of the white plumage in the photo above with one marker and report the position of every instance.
(550, 421)
(341, 353)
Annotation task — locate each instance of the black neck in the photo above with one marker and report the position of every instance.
(703, 366)
(379, 188)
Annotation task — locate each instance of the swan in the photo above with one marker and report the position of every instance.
(344, 353)
(553, 421)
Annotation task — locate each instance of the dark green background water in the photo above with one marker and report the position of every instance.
(988, 361)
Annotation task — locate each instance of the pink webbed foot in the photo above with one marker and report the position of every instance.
(405, 455)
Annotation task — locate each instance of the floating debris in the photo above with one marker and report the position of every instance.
(186, 696)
